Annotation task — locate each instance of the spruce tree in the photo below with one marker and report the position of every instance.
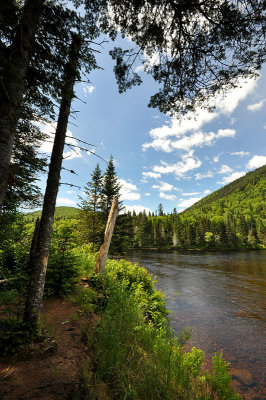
(91, 215)
(110, 187)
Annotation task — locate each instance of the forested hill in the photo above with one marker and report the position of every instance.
(60, 213)
(232, 217)
(246, 194)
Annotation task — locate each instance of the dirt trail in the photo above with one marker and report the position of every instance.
(52, 369)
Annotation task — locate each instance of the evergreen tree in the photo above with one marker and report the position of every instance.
(110, 187)
(160, 210)
(91, 216)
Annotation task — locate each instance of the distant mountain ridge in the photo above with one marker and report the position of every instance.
(61, 212)
(246, 195)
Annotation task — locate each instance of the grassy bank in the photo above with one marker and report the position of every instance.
(137, 355)
(134, 353)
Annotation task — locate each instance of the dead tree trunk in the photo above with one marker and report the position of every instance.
(39, 265)
(103, 253)
(12, 85)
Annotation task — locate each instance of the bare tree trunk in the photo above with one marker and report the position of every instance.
(12, 86)
(103, 253)
(35, 295)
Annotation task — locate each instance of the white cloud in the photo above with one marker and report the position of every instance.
(47, 146)
(256, 106)
(187, 203)
(188, 163)
(226, 133)
(163, 187)
(179, 127)
(240, 153)
(167, 196)
(227, 104)
(216, 159)
(232, 177)
(163, 137)
(147, 194)
(87, 89)
(65, 202)
(196, 139)
(225, 169)
(139, 68)
(70, 191)
(199, 175)
(150, 175)
(92, 151)
(256, 162)
(190, 194)
(128, 191)
(137, 209)
(207, 191)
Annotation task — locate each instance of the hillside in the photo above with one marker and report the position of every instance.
(60, 213)
(232, 217)
(245, 195)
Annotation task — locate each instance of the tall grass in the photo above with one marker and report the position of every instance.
(138, 356)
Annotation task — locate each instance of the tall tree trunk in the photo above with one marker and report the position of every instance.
(12, 85)
(35, 295)
(103, 253)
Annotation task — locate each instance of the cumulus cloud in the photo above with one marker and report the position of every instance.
(164, 137)
(167, 196)
(188, 163)
(128, 191)
(47, 146)
(216, 159)
(151, 175)
(63, 201)
(163, 187)
(199, 175)
(225, 169)
(179, 127)
(207, 191)
(188, 202)
(227, 104)
(256, 162)
(137, 209)
(190, 194)
(147, 194)
(197, 139)
(88, 89)
(255, 106)
(232, 177)
(240, 153)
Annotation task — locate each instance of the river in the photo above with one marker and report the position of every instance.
(221, 296)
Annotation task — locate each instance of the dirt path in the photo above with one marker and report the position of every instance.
(52, 369)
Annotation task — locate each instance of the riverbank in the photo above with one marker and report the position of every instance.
(118, 335)
(221, 297)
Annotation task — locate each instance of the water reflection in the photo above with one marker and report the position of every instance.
(222, 298)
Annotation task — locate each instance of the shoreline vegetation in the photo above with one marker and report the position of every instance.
(133, 351)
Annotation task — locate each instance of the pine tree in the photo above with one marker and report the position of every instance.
(91, 215)
(110, 187)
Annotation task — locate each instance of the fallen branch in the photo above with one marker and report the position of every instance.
(9, 279)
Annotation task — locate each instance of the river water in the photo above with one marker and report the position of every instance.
(221, 296)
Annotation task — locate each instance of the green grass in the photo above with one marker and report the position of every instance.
(137, 355)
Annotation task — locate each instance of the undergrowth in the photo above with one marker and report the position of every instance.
(137, 354)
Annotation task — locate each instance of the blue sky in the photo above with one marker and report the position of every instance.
(161, 159)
